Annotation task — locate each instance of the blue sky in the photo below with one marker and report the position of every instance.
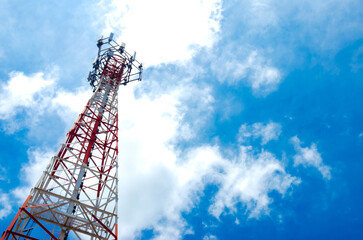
(247, 124)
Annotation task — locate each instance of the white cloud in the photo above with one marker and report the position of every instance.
(267, 132)
(22, 91)
(28, 98)
(163, 31)
(35, 96)
(248, 179)
(254, 70)
(309, 156)
(155, 185)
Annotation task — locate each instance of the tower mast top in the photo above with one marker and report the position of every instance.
(112, 57)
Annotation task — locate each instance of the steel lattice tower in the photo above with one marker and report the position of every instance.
(77, 192)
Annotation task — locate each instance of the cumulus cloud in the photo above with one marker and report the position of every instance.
(267, 132)
(22, 91)
(309, 156)
(154, 186)
(158, 182)
(163, 31)
(36, 95)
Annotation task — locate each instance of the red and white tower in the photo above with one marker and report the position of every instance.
(77, 192)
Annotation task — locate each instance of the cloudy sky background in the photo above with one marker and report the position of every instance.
(247, 124)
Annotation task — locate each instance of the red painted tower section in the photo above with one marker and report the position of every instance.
(76, 196)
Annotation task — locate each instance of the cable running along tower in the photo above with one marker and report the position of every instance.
(77, 192)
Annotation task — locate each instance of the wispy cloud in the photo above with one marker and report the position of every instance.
(309, 156)
(3, 174)
(267, 132)
(5, 205)
(232, 65)
(209, 237)
(322, 26)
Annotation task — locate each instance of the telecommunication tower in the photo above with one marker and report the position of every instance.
(77, 192)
